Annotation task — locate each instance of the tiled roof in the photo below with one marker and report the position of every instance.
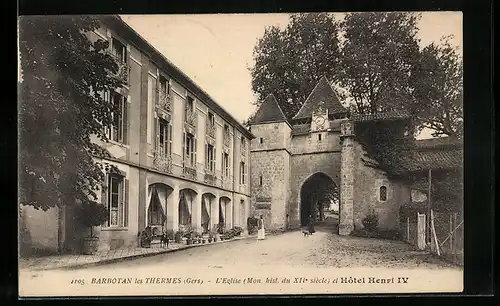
(440, 142)
(393, 115)
(269, 111)
(323, 92)
(434, 154)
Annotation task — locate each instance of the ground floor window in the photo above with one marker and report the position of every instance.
(115, 200)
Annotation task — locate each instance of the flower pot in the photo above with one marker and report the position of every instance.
(90, 245)
(184, 240)
(189, 241)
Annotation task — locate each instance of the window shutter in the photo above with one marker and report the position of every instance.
(169, 140)
(125, 198)
(195, 142)
(214, 159)
(184, 157)
(157, 91)
(126, 110)
(104, 194)
(157, 133)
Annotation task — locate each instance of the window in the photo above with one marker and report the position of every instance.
(115, 201)
(261, 140)
(189, 106)
(164, 137)
(211, 119)
(210, 161)
(242, 173)
(243, 143)
(189, 149)
(117, 130)
(383, 193)
(319, 137)
(118, 50)
(225, 164)
(164, 86)
(260, 180)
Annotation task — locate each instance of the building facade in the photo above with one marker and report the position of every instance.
(319, 141)
(183, 160)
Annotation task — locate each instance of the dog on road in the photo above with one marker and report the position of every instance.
(164, 240)
(306, 233)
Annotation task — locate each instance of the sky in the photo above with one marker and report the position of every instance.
(216, 51)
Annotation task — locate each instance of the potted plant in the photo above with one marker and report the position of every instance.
(370, 222)
(178, 236)
(92, 214)
(189, 237)
(146, 237)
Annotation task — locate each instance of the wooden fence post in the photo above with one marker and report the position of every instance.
(433, 229)
(408, 229)
(451, 233)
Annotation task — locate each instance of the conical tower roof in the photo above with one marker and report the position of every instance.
(323, 92)
(269, 111)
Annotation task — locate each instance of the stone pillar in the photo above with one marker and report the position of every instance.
(346, 225)
(196, 213)
(173, 210)
(229, 214)
(214, 212)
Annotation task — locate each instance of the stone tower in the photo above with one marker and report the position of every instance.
(270, 159)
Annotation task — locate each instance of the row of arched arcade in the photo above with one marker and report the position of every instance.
(173, 208)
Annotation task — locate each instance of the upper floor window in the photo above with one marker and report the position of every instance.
(189, 149)
(242, 173)
(211, 119)
(225, 164)
(383, 193)
(164, 85)
(260, 180)
(118, 50)
(210, 161)
(164, 137)
(243, 142)
(319, 137)
(115, 198)
(116, 132)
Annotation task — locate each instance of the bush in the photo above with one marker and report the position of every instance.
(252, 225)
(370, 222)
(92, 214)
(170, 234)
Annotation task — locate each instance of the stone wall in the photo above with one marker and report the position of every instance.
(304, 166)
(38, 231)
(366, 194)
(274, 168)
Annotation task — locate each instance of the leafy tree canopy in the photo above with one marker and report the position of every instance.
(60, 107)
(375, 61)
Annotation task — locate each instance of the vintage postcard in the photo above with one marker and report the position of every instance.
(240, 154)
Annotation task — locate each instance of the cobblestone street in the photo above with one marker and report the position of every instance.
(322, 249)
(320, 256)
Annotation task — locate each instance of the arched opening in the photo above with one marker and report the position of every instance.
(319, 195)
(224, 213)
(157, 207)
(207, 204)
(186, 202)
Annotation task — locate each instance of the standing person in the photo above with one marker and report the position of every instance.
(310, 225)
(261, 234)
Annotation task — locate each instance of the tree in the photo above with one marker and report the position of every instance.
(440, 89)
(290, 62)
(380, 56)
(61, 106)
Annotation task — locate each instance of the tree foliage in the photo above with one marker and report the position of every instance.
(380, 55)
(441, 89)
(60, 107)
(373, 59)
(290, 62)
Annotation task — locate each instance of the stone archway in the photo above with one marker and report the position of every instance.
(187, 207)
(316, 194)
(225, 212)
(157, 206)
(208, 207)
